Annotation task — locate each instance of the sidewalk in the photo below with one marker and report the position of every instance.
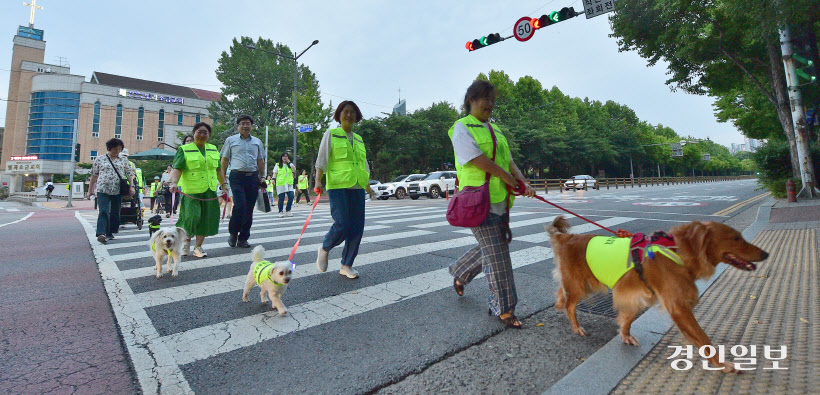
(775, 306)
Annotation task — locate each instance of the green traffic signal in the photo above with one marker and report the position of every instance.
(807, 71)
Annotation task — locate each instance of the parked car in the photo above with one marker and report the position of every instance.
(398, 187)
(580, 182)
(434, 185)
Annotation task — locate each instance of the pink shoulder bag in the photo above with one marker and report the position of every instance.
(469, 207)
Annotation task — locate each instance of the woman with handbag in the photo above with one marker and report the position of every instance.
(112, 177)
(485, 168)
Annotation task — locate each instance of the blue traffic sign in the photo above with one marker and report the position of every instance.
(305, 128)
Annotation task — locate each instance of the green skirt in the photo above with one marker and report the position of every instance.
(197, 217)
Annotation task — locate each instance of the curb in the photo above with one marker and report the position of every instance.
(612, 362)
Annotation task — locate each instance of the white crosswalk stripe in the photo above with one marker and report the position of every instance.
(401, 232)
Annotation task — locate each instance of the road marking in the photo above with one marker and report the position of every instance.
(211, 340)
(152, 360)
(276, 254)
(737, 206)
(19, 220)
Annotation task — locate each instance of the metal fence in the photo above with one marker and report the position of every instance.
(559, 184)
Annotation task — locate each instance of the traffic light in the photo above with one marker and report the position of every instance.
(553, 18)
(77, 152)
(806, 70)
(482, 42)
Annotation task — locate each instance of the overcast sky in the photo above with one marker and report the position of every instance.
(367, 50)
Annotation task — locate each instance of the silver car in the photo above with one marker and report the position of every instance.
(580, 182)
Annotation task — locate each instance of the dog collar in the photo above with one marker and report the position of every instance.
(154, 248)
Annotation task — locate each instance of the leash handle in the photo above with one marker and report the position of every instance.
(521, 188)
(307, 221)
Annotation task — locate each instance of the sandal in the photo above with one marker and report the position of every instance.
(511, 321)
(458, 286)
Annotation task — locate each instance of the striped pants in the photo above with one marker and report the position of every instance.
(492, 255)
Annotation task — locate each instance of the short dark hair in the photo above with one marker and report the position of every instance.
(243, 117)
(342, 107)
(479, 89)
(197, 126)
(113, 143)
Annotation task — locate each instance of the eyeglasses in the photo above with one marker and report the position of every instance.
(245, 124)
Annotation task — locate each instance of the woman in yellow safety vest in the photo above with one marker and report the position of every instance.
(343, 158)
(302, 188)
(472, 138)
(283, 174)
(269, 184)
(196, 166)
(155, 187)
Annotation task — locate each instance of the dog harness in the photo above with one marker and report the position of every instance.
(609, 258)
(261, 272)
(154, 247)
(152, 226)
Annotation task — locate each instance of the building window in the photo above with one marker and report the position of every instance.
(179, 118)
(140, 122)
(198, 118)
(161, 126)
(93, 155)
(51, 124)
(118, 125)
(95, 129)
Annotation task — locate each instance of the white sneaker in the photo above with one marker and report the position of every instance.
(186, 248)
(281, 215)
(321, 260)
(289, 214)
(348, 272)
(199, 252)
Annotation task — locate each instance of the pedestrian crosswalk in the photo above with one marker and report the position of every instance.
(394, 235)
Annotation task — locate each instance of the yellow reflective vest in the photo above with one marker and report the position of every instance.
(471, 176)
(347, 164)
(269, 185)
(303, 182)
(200, 171)
(138, 176)
(284, 175)
(154, 188)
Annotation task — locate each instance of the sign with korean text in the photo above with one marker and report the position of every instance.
(23, 166)
(26, 157)
(150, 96)
(305, 128)
(593, 8)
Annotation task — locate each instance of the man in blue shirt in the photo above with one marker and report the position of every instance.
(245, 156)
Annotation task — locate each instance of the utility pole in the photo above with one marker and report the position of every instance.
(809, 189)
(71, 172)
(265, 173)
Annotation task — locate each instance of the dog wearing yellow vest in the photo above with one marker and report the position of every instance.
(272, 278)
(666, 277)
(167, 242)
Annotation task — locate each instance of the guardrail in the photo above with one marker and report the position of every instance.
(557, 184)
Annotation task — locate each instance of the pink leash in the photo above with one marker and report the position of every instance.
(307, 221)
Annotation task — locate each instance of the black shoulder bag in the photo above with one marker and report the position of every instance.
(125, 189)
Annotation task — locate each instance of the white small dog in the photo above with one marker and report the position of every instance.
(272, 278)
(167, 242)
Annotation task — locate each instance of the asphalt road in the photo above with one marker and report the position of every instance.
(400, 327)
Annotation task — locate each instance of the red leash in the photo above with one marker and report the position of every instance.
(307, 221)
(521, 188)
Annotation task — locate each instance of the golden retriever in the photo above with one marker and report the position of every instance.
(701, 246)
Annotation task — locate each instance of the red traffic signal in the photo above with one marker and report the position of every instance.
(469, 45)
(482, 42)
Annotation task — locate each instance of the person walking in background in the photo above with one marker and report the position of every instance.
(270, 186)
(106, 173)
(302, 187)
(283, 174)
(155, 188)
(137, 176)
(343, 157)
(474, 139)
(165, 192)
(245, 156)
(196, 166)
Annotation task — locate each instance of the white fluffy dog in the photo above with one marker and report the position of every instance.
(167, 242)
(272, 278)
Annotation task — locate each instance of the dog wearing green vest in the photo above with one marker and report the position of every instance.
(168, 242)
(272, 278)
(585, 264)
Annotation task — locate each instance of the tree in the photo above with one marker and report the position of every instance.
(260, 84)
(723, 48)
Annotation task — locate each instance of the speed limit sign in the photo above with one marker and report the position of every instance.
(523, 30)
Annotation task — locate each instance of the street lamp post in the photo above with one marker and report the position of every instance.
(295, 74)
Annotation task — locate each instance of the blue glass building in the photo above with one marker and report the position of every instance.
(51, 122)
